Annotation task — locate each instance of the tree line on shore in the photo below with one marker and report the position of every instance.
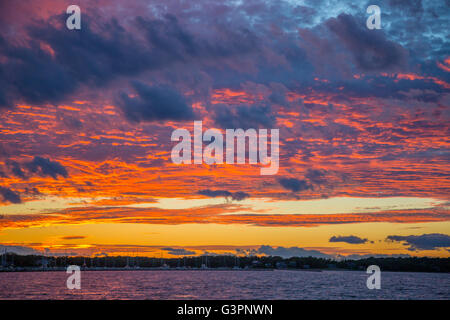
(412, 264)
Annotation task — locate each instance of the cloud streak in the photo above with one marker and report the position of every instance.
(155, 103)
(9, 195)
(238, 196)
(348, 239)
(430, 241)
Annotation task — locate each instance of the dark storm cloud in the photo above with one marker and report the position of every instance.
(38, 166)
(237, 196)
(9, 196)
(4, 102)
(370, 48)
(172, 42)
(294, 185)
(81, 57)
(429, 241)
(348, 239)
(34, 76)
(16, 169)
(155, 103)
(243, 117)
(46, 167)
(316, 176)
(102, 51)
(97, 53)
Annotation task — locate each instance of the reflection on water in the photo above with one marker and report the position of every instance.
(279, 284)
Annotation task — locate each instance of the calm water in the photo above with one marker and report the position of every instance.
(277, 284)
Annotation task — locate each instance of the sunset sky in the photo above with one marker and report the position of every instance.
(86, 118)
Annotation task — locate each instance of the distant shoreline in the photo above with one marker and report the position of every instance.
(18, 263)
